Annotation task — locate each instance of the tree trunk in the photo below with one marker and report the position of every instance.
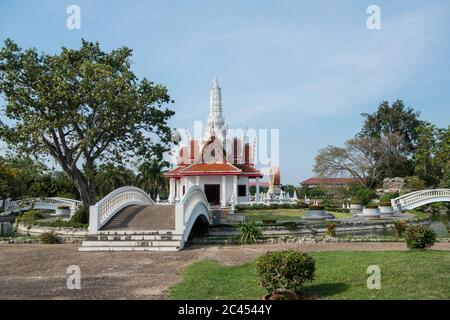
(87, 194)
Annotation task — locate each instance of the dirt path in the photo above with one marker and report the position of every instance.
(39, 271)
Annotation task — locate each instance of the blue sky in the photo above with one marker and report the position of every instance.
(308, 68)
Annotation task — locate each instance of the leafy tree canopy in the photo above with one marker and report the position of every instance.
(81, 107)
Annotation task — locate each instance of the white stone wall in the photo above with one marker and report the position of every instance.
(191, 181)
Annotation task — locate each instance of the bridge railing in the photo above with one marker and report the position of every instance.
(51, 203)
(105, 209)
(194, 199)
(418, 196)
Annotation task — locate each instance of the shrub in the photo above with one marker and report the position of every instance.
(326, 203)
(28, 218)
(388, 196)
(59, 223)
(371, 206)
(269, 221)
(290, 225)
(384, 204)
(250, 232)
(331, 229)
(314, 207)
(81, 216)
(419, 237)
(285, 270)
(400, 227)
(49, 238)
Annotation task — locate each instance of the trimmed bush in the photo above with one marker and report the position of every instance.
(331, 229)
(59, 223)
(28, 218)
(250, 232)
(285, 270)
(384, 204)
(261, 206)
(372, 206)
(314, 207)
(49, 238)
(81, 216)
(419, 237)
(400, 227)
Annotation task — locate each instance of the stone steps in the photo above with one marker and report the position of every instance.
(126, 249)
(131, 240)
(135, 237)
(131, 232)
(144, 243)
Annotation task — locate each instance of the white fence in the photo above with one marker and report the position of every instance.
(105, 209)
(41, 204)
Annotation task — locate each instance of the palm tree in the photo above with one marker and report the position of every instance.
(110, 177)
(151, 177)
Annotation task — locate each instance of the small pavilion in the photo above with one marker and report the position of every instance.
(221, 165)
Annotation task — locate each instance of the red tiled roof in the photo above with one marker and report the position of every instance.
(329, 181)
(250, 171)
(174, 172)
(211, 167)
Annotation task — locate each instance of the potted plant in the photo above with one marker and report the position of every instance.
(356, 207)
(371, 211)
(385, 209)
(317, 213)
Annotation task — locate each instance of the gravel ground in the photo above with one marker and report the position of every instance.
(39, 271)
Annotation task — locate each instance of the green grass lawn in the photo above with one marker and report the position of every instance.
(339, 275)
(283, 214)
(419, 215)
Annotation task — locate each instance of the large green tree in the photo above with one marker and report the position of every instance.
(432, 154)
(81, 107)
(388, 120)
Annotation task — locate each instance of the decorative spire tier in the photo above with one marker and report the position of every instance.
(215, 118)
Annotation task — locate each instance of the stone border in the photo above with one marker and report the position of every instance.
(64, 234)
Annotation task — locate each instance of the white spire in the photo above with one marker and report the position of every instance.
(215, 118)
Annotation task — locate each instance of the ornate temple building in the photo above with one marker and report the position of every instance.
(221, 165)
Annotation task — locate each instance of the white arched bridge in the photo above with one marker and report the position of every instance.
(128, 219)
(419, 198)
(52, 203)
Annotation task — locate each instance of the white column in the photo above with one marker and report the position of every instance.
(223, 200)
(257, 199)
(197, 180)
(172, 190)
(235, 179)
(178, 190)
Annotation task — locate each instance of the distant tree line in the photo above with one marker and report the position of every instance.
(24, 177)
(393, 142)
